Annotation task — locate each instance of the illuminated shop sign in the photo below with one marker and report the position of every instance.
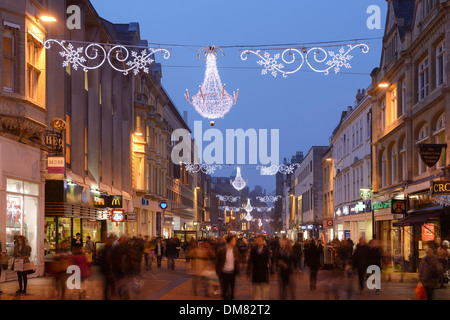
(440, 188)
(381, 205)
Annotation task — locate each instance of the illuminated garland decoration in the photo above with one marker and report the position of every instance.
(212, 101)
(273, 169)
(225, 198)
(267, 199)
(264, 209)
(100, 53)
(227, 208)
(205, 168)
(249, 209)
(332, 60)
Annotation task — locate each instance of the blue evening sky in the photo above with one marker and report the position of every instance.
(305, 106)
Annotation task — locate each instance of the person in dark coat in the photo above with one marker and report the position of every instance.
(77, 242)
(361, 260)
(258, 269)
(286, 265)
(312, 261)
(227, 267)
(22, 251)
(171, 253)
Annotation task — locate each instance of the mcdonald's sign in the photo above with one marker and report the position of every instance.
(104, 201)
(115, 201)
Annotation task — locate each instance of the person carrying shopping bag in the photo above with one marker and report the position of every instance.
(22, 264)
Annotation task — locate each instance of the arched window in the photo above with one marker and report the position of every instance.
(422, 138)
(402, 163)
(439, 137)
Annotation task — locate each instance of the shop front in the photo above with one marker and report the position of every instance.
(71, 209)
(426, 224)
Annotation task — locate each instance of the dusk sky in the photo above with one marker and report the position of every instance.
(305, 107)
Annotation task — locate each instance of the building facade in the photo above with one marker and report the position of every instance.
(351, 162)
(410, 101)
(23, 124)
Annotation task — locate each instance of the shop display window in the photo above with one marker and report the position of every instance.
(22, 205)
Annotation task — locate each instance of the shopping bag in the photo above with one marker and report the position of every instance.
(18, 265)
(29, 267)
(420, 291)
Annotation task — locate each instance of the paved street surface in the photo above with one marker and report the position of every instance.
(164, 284)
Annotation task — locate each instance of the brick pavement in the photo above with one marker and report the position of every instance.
(164, 284)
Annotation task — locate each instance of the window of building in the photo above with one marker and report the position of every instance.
(422, 138)
(440, 64)
(403, 103)
(34, 49)
(393, 104)
(383, 115)
(394, 164)
(427, 6)
(423, 84)
(383, 169)
(68, 140)
(9, 60)
(439, 138)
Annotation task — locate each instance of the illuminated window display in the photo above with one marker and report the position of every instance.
(21, 214)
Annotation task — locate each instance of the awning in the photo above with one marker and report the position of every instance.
(418, 218)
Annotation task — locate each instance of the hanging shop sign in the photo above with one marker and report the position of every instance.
(328, 223)
(431, 153)
(56, 165)
(398, 206)
(440, 188)
(55, 143)
(117, 216)
(130, 216)
(428, 232)
(381, 205)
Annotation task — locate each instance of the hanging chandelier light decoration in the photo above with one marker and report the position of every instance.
(212, 101)
(249, 209)
(239, 183)
(90, 56)
(331, 61)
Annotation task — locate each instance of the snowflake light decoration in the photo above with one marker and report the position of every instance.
(339, 60)
(72, 56)
(270, 64)
(330, 59)
(140, 62)
(94, 55)
(212, 101)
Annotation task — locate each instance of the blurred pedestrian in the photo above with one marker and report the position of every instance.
(122, 267)
(443, 255)
(77, 242)
(286, 262)
(171, 253)
(159, 252)
(105, 261)
(61, 262)
(79, 259)
(375, 256)
(89, 249)
(298, 253)
(312, 261)
(430, 271)
(360, 261)
(22, 253)
(258, 269)
(274, 246)
(227, 267)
